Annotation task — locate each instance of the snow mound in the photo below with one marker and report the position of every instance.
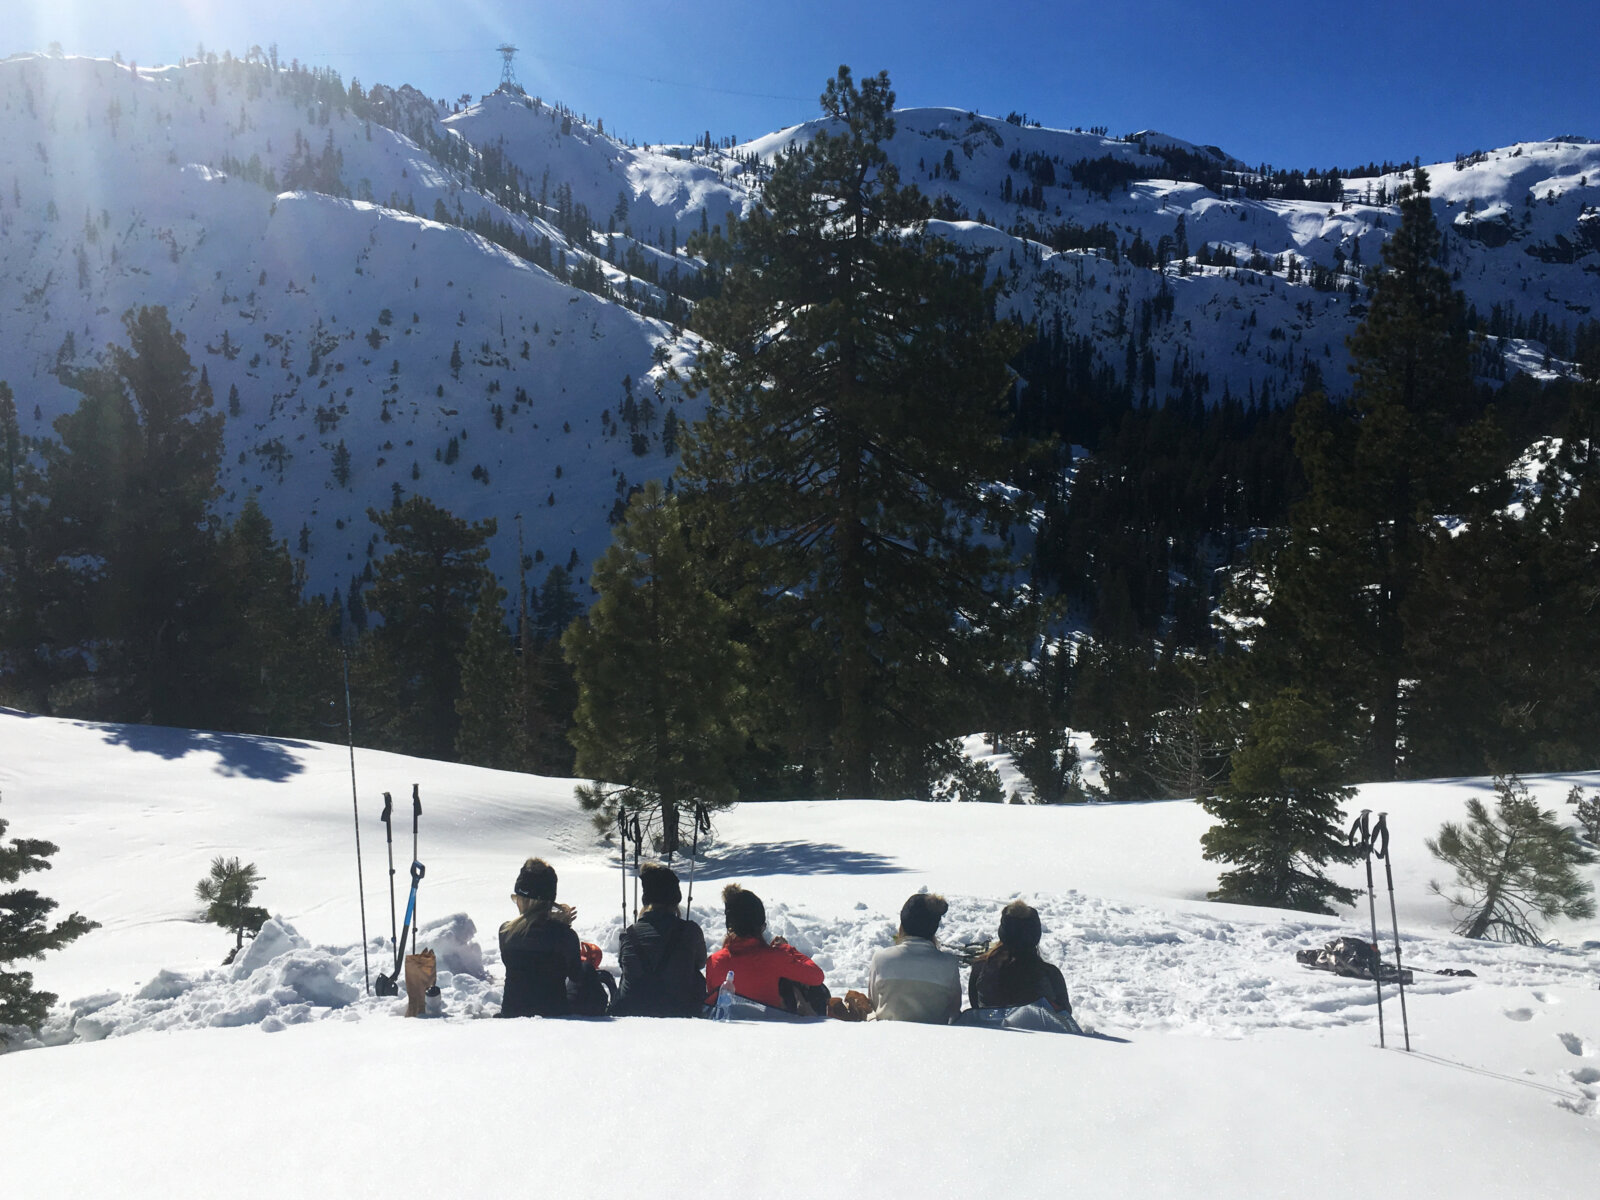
(453, 940)
(279, 979)
(276, 937)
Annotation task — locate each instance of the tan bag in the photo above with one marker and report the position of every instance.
(853, 1007)
(421, 973)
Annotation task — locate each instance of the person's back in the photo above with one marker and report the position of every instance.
(1011, 973)
(757, 965)
(539, 959)
(1000, 980)
(538, 948)
(914, 980)
(661, 955)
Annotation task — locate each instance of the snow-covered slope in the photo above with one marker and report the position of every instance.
(335, 309)
(334, 318)
(1246, 1073)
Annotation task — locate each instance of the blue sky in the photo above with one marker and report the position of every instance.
(1292, 84)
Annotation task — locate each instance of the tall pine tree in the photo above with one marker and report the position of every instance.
(660, 677)
(425, 591)
(856, 382)
(1409, 449)
(131, 528)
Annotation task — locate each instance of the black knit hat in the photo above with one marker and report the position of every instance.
(1019, 926)
(920, 915)
(536, 881)
(746, 915)
(659, 885)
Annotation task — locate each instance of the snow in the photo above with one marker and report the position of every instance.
(1245, 1072)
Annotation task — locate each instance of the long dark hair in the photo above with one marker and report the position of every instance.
(1014, 960)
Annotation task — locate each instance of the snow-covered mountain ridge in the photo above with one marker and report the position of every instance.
(408, 296)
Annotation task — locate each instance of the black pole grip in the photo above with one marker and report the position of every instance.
(388, 811)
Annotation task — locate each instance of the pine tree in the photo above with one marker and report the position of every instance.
(493, 726)
(660, 677)
(226, 893)
(131, 486)
(25, 932)
(23, 677)
(1279, 813)
(856, 384)
(267, 649)
(1513, 869)
(425, 592)
(1407, 449)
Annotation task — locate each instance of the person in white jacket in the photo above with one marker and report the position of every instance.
(914, 980)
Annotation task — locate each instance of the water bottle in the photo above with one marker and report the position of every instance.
(724, 1008)
(433, 1002)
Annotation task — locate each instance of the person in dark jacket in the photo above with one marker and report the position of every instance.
(662, 955)
(757, 965)
(539, 949)
(1011, 973)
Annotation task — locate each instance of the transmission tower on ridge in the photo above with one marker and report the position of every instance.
(508, 77)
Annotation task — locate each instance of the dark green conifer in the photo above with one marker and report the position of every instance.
(131, 483)
(856, 383)
(424, 591)
(1279, 814)
(25, 931)
(1513, 869)
(493, 729)
(1408, 450)
(660, 677)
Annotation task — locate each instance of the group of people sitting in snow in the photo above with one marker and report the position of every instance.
(666, 971)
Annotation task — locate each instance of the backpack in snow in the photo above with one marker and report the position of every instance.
(590, 994)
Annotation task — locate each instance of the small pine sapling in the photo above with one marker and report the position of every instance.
(227, 892)
(1279, 815)
(1513, 869)
(1588, 814)
(24, 933)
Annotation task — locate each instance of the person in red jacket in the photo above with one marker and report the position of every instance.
(757, 964)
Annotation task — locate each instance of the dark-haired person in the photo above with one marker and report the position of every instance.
(538, 947)
(662, 955)
(914, 980)
(1010, 973)
(758, 965)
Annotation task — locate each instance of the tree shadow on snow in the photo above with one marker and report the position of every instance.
(243, 754)
(795, 858)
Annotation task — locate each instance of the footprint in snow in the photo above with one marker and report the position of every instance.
(1574, 1044)
(1519, 1014)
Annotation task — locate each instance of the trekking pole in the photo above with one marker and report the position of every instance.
(622, 855)
(1382, 831)
(416, 864)
(638, 847)
(1362, 824)
(386, 985)
(702, 824)
(355, 808)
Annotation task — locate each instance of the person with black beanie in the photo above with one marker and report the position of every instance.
(662, 955)
(539, 949)
(1011, 972)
